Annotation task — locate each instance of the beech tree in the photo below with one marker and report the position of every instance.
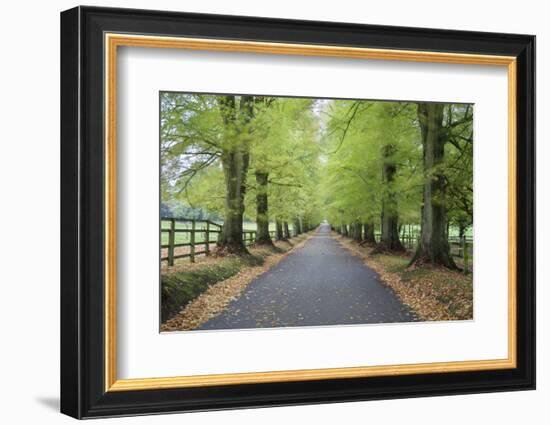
(237, 114)
(241, 157)
(371, 166)
(202, 131)
(284, 158)
(458, 163)
(433, 246)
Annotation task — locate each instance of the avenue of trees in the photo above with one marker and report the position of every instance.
(395, 163)
(244, 158)
(365, 166)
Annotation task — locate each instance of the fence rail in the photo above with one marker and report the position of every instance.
(460, 247)
(199, 235)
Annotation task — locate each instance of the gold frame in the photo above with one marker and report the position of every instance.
(113, 41)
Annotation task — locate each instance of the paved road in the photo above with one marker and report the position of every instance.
(318, 284)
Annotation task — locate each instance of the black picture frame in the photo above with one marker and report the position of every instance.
(82, 212)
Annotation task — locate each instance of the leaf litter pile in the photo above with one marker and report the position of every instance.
(433, 292)
(218, 294)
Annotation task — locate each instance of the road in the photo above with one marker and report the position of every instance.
(320, 283)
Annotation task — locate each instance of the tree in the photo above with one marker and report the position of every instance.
(389, 238)
(284, 159)
(350, 187)
(204, 137)
(371, 168)
(237, 115)
(262, 215)
(241, 157)
(433, 246)
(369, 236)
(458, 164)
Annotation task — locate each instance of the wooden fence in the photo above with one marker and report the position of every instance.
(197, 236)
(460, 247)
(463, 248)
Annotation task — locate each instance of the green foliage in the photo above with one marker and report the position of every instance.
(282, 138)
(459, 164)
(325, 159)
(361, 137)
(287, 148)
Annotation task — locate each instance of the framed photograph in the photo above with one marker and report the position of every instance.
(261, 212)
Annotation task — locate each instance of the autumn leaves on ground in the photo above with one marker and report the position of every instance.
(433, 292)
(328, 211)
(217, 289)
(193, 294)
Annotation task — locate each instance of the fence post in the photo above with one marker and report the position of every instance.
(192, 242)
(171, 241)
(207, 249)
(465, 254)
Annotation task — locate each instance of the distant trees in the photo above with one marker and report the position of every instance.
(177, 209)
(284, 151)
(370, 172)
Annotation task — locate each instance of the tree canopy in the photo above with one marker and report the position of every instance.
(368, 167)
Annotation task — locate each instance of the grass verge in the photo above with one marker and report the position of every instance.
(180, 287)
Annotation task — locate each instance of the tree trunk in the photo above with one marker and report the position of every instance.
(235, 159)
(297, 229)
(344, 230)
(434, 245)
(369, 233)
(461, 229)
(286, 231)
(231, 239)
(278, 229)
(357, 231)
(389, 240)
(262, 212)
